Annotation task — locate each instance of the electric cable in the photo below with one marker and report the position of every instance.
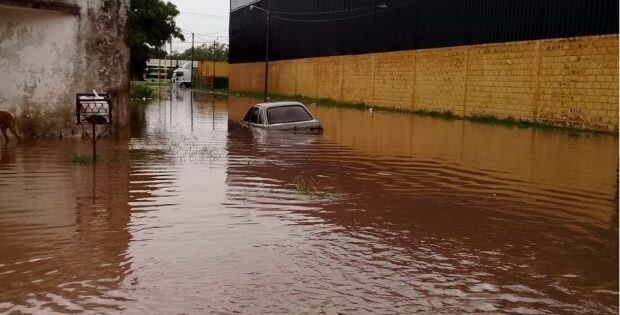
(204, 14)
(340, 18)
(388, 3)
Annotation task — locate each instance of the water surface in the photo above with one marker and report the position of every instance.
(383, 213)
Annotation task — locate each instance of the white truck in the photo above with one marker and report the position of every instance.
(182, 75)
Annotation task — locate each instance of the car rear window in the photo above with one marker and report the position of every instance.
(287, 114)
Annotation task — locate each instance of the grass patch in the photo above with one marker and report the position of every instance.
(84, 159)
(512, 122)
(305, 186)
(448, 115)
(215, 92)
(141, 91)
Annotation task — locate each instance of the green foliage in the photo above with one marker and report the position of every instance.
(141, 91)
(83, 159)
(436, 114)
(215, 51)
(157, 53)
(152, 24)
(307, 186)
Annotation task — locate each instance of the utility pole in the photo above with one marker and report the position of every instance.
(171, 52)
(191, 79)
(165, 62)
(267, 55)
(213, 79)
(268, 15)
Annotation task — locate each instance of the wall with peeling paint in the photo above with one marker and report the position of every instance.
(47, 56)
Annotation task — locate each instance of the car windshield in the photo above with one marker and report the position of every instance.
(287, 114)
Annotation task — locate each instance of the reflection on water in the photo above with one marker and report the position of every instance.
(383, 213)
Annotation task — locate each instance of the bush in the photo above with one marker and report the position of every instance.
(141, 91)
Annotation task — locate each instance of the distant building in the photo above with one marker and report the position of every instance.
(546, 61)
(52, 49)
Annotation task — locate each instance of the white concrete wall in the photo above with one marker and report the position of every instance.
(47, 56)
(38, 57)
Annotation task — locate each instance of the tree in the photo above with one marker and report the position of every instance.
(157, 53)
(216, 51)
(152, 24)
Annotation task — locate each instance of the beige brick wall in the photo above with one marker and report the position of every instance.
(394, 79)
(563, 82)
(358, 84)
(440, 80)
(306, 77)
(206, 69)
(579, 83)
(502, 80)
(246, 77)
(329, 77)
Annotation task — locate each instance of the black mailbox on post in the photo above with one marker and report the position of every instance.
(93, 109)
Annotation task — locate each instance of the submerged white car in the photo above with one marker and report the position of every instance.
(292, 116)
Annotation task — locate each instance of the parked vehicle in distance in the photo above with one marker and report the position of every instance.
(291, 116)
(153, 76)
(182, 75)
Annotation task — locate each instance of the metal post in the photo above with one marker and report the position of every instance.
(191, 79)
(175, 59)
(191, 109)
(94, 145)
(213, 79)
(165, 63)
(267, 55)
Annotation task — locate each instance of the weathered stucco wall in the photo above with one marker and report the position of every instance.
(570, 82)
(47, 56)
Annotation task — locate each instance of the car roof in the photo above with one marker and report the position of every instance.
(277, 104)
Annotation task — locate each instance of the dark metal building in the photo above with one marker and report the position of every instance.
(315, 28)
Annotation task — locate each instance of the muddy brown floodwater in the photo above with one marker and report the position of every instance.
(383, 213)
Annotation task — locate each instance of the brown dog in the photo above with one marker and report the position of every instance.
(8, 121)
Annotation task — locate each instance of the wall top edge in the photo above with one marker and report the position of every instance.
(558, 39)
(56, 6)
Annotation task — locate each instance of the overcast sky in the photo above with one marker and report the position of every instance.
(207, 18)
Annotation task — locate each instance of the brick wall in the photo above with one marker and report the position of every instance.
(206, 69)
(563, 82)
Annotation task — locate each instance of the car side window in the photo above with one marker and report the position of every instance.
(254, 117)
(249, 114)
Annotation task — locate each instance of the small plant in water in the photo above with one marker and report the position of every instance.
(83, 159)
(305, 186)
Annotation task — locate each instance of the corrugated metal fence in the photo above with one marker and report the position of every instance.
(314, 28)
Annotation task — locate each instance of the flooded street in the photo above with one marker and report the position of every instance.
(383, 213)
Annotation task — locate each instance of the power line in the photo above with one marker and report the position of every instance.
(325, 12)
(205, 14)
(202, 34)
(222, 31)
(340, 18)
(199, 42)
